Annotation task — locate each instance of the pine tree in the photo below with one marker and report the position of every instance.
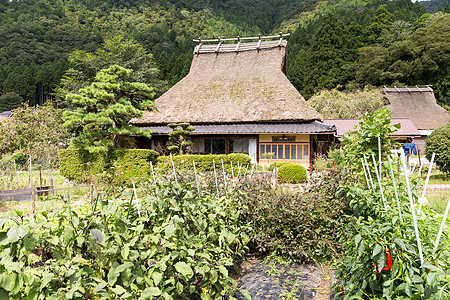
(380, 22)
(105, 109)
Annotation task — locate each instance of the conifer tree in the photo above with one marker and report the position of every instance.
(105, 109)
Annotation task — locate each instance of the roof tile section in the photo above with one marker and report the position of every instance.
(281, 128)
(229, 87)
(343, 126)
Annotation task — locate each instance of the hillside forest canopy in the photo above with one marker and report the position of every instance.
(342, 45)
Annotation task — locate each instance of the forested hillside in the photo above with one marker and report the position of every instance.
(335, 43)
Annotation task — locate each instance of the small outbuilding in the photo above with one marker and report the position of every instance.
(239, 100)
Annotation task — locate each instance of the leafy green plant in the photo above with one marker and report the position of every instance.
(172, 245)
(438, 142)
(291, 173)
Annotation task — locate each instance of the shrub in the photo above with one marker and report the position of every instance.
(123, 163)
(439, 143)
(291, 173)
(204, 163)
(278, 164)
(303, 227)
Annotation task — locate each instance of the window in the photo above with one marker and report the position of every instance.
(239, 146)
(283, 139)
(285, 151)
(214, 146)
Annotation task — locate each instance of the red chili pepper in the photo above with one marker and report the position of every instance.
(389, 260)
(376, 267)
(341, 290)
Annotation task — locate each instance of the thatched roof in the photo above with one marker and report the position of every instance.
(417, 104)
(233, 87)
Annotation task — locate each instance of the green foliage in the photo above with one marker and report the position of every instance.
(302, 227)
(105, 108)
(10, 101)
(179, 138)
(121, 164)
(177, 245)
(116, 50)
(438, 142)
(334, 104)
(291, 173)
(364, 141)
(36, 131)
(204, 163)
(381, 258)
(278, 164)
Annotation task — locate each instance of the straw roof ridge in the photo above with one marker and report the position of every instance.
(227, 87)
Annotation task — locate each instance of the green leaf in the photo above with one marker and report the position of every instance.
(46, 279)
(124, 266)
(223, 270)
(151, 291)
(184, 269)
(100, 286)
(118, 289)
(156, 276)
(4, 294)
(169, 230)
(246, 294)
(16, 232)
(98, 235)
(376, 251)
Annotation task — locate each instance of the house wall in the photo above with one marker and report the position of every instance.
(294, 148)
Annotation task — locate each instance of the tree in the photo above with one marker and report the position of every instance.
(116, 51)
(36, 131)
(334, 104)
(365, 140)
(438, 142)
(105, 109)
(10, 101)
(326, 57)
(381, 21)
(180, 138)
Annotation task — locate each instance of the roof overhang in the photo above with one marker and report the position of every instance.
(312, 127)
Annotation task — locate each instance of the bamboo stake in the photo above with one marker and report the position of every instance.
(154, 179)
(174, 172)
(246, 169)
(379, 182)
(436, 243)
(239, 173)
(17, 175)
(379, 158)
(137, 200)
(419, 173)
(365, 174)
(224, 179)
(395, 190)
(215, 177)
(422, 199)
(33, 191)
(251, 173)
(413, 213)
(196, 180)
(232, 172)
(370, 175)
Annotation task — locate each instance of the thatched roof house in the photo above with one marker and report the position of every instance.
(240, 91)
(418, 104)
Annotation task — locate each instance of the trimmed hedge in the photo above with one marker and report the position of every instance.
(123, 163)
(204, 163)
(291, 173)
(279, 164)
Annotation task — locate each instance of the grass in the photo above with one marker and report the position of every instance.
(437, 199)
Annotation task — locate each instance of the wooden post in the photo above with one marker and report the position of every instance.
(129, 173)
(33, 192)
(17, 175)
(40, 176)
(91, 188)
(30, 176)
